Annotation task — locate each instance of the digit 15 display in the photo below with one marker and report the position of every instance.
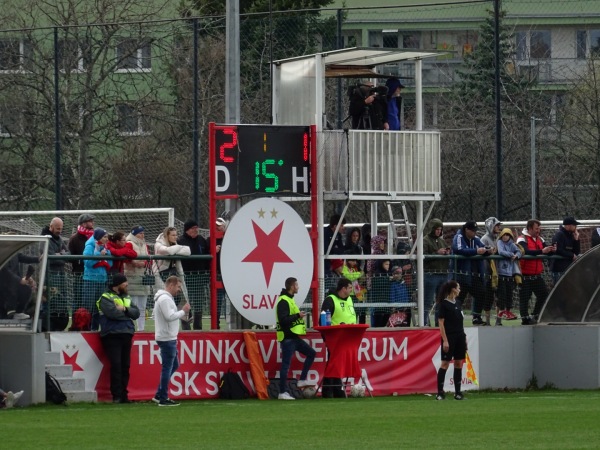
(262, 159)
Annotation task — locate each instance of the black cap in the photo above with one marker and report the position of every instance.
(470, 225)
(570, 221)
(189, 224)
(118, 279)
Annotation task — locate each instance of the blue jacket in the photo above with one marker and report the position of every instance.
(399, 292)
(465, 247)
(506, 267)
(91, 273)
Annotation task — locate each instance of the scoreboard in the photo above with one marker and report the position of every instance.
(261, 159)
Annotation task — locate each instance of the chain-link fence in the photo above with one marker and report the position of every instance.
(115, 114)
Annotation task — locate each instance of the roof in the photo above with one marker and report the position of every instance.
(360, 61)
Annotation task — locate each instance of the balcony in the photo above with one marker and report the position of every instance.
(380, 165)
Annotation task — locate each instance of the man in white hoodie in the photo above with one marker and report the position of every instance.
(166, 329)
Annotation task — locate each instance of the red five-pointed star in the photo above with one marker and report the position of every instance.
(267, 251)
(72, 360)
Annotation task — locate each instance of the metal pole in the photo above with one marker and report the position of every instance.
(533, 169)
(340, 44)
(195, 133)
(498, 110)
(57, 150)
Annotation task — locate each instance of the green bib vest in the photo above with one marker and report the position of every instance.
(343, 312)
(126, 301)
(298, 326)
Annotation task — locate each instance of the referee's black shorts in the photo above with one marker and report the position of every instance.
(457, 347)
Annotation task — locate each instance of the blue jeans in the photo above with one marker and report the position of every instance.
(170, 364)
(432, 283)
(288, 347)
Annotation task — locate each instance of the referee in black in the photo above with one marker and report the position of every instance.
(454, 339)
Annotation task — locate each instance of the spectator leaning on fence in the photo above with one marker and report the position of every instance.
(469, 273)
(135, 270)
(568, 246)
(533, 244)
(118, 246)
(509, 274)
(95, 274)
(196, 271)
(436, 270)
(489, 239)
(76, 246)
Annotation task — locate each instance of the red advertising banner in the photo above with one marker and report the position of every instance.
(392, 361)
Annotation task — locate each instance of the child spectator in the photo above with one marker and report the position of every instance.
(508, 271)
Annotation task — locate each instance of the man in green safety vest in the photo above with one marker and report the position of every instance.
(340, 306)
(117, 316)
(290, 329)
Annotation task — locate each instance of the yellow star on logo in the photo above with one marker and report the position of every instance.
(273, 214)
(261, 213)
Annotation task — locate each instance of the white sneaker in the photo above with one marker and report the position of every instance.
(21, 316)
(304, 383)
(285, 396)
(17, 396)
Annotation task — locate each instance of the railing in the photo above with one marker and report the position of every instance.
(376, 165)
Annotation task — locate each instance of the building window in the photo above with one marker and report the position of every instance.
(390, 38)
(411, 40)
(133, 54)
(131, 121)
(540, 45)
(71, 56)
(533, 45)
(588, 39)
(15, 55)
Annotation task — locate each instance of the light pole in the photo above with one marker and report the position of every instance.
(533, 206)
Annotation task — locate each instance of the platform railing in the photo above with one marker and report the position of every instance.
(375, 165)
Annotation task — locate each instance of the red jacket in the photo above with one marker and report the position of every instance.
(532, 247)
(127, 251)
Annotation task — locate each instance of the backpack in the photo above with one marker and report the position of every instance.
(232, 387)
(82, 320)
(54, 392)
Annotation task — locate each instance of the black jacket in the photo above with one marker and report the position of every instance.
(198, 246)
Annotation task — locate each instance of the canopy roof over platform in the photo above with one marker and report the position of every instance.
(299, 82)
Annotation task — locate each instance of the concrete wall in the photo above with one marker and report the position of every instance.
(568, 356)
(22, 365)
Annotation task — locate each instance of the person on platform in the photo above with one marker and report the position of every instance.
(509, 274)
(568, 246)
(221, 293)
(117, 317)
(453, 337)
(394, 104)
(368, 107)
(533, 282)
(290, 329)
(338, 244)
(56, 276)
(340, 306)
(166, 328)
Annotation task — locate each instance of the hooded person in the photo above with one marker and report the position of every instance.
(394, 104)
(436, 270)
(489, 239)
(95, 272)
(509, 274)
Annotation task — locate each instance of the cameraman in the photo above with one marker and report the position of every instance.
(368, 108)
